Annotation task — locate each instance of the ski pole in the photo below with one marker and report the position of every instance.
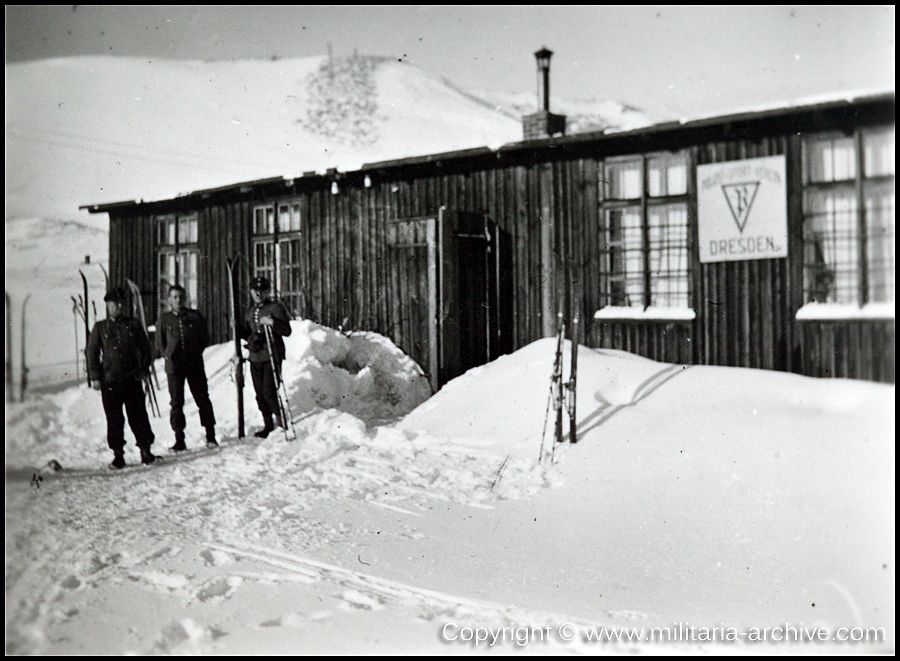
(280, 389)
(151, 396)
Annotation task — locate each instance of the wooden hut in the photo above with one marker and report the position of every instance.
(761, 239)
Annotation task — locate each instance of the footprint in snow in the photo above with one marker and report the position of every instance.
(216, 558)
(356, 600)
(217, 588)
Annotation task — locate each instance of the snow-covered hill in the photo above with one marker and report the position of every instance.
(100, 129)
(699, 500)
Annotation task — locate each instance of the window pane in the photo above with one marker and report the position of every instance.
(626, 257)
(667, 175)
(831, 159)
(188, 274)
(831, 246)
(264, 260)
(878, 150)
(668, 233)
(284, 218)
(167, 231)
(623, 180)
(295, 218)
(879, 200)
(187, 229)
(289, 273)
(264, 220)
(166, 271)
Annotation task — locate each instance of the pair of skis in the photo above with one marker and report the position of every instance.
(150, 380)
(562, 393)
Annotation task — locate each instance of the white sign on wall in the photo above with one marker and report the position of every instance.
(742, 210)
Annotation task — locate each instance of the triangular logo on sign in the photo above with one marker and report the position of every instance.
(740, 198)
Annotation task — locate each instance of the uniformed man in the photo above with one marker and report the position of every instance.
(263, 313)
(118, 358)
(181, 337)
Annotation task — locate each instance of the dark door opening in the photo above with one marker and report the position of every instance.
(475, 321)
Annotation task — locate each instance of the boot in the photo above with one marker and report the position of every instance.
(118, 461)
(211, 437)
(179, 442)
(147, 457)
(267, 428)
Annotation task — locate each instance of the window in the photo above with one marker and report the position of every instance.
(178, 255)
(278, 250)
(848, 218)
(644, 219)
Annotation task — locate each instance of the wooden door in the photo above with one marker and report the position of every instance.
(475, 292)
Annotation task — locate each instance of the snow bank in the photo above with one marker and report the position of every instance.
(361, 374)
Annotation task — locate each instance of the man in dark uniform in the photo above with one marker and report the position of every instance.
(266, 312)
(118, 356)
(181, 336)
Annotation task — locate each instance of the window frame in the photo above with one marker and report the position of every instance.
(857, 188)
(645, 203)
(283, 248)
(172, 246)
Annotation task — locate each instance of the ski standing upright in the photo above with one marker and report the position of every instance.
(24, 385)
(235, 330)
(87, 323)
(151, 381)
(573, 379)
(555, 382)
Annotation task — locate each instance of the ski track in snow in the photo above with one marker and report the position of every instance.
(264, 540)
(76, 529)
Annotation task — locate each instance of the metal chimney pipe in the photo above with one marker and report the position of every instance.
(543, 67)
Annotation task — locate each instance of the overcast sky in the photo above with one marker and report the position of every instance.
(675, 59)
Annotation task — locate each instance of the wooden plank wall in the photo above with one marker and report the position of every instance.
(745, 310)
(132, 256)
(848, 349)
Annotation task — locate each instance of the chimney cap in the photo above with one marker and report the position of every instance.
(543, 55)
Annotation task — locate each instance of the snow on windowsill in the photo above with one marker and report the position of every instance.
(651, 313)
(812, 311)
